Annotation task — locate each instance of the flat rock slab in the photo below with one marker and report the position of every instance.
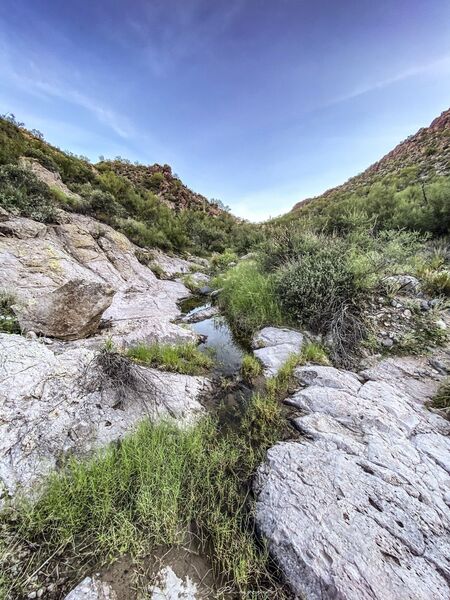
(92, 588)
(273, 346)
(51, 404)
(359, 507)
(200, 315)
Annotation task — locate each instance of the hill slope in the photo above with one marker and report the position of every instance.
(420, 157)
(149, 204)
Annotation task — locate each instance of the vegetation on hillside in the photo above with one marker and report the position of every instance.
(131, 205)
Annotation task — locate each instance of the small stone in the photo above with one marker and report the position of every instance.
(407, 313)
(387, 342)
(441, 324)
(32, 595)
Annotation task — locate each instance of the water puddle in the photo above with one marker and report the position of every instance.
(227, 351)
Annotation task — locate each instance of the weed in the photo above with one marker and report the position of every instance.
(251, 368)
(248, 298)
(181, 358)
(8, 320)
(146, 492)
(442, 398)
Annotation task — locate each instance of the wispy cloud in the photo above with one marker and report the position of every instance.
(439, 66)
(28, 77)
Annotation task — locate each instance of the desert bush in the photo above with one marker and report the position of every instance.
(8, 320)
(21, 193)
(219, 262)
(248, 298)
(442, 397)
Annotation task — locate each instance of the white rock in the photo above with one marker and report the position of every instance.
(92, 588)
(273, 346)
(169, 586)
(358, 507)
(50, 405)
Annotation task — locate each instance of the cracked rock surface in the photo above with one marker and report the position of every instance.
(359, 506)
(49, 407)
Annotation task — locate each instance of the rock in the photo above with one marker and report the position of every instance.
(387, 342)
(37, 259)
(92, 588)
(273, 346)
(72, 311)
(199, 278)
(4, 214)
(171, 266)
(357, 508)
(169, 586)
(205, 290)
(42, 386)
(200, 315)
(50, 178)
(406, 284)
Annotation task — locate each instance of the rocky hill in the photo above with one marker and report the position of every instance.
(418, 158)
(160, 180)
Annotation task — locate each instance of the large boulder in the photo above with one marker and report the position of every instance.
(71, 311)
(58, 402)
(359, 506)
(37, 259)
(274, 345)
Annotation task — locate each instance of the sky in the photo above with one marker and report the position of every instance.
(258, 103)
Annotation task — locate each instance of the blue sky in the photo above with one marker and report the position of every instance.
(259, 103)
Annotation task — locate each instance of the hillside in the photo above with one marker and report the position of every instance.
(149, 204)
(419, 158)
(160, 180)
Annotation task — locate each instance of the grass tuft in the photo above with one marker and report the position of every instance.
(179, 358)
(251, 368)
(149, 491)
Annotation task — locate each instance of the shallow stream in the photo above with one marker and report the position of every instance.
(218, 338)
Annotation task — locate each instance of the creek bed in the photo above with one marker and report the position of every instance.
(218, 338)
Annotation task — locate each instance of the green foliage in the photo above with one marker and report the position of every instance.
(390, 203)
(148, 491)
(181, 358)
(8, 320)
(155, 181)
(426, 332)
(22, 194)
(248, 298)
(251, 368)
(314, 353)
(442, 398)
(219, 262)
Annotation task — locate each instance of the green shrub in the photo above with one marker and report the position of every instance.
(21, 193)
(248, 298)
(314, 353)
(8, 320)
(155, 181)
(147, 492)
(442, 398)
(219, 262)
(181, 358)
(44, 158)
(251, 368)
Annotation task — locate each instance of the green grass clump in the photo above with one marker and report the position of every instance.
(251, 367)
(179, 358)
(148, 491)
(314, 353)
(442, 398)
(248, 298)
(8, 320)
